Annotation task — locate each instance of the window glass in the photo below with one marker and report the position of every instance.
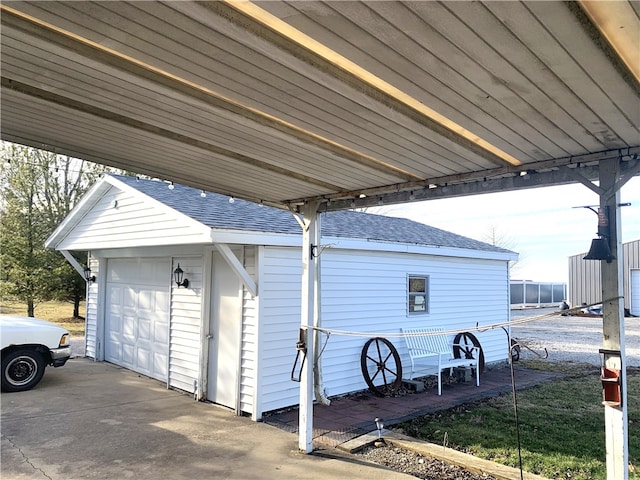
(417, 301)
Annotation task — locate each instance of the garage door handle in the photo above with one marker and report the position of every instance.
(209, 337)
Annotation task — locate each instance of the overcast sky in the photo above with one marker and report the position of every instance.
(540, 224)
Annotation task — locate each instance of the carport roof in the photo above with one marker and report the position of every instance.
(353, 102)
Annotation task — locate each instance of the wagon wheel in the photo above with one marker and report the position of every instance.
(463, 345)
(381, 366)
(515, 350)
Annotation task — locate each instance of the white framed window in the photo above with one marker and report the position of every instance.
(417, 294)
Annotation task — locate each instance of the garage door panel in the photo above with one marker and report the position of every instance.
(144, 330)
(128, 334)
(143, 356)
(137, 323)
(160, 363)
(113, 351)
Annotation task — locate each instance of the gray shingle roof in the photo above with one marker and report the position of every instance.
(215, 211)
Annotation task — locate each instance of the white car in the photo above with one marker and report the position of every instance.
(28, 346)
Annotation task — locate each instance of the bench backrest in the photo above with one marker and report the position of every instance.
(420, 341)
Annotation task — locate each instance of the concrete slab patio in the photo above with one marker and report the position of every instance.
(97, 421)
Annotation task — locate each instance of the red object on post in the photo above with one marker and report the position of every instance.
(611, 387)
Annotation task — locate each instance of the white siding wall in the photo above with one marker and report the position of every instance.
(186, 313)
(91, 315)
(280, 288)
(249, 340)
(367, 292)
(121, 219)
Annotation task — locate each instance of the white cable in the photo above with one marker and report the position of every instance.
(348, 333)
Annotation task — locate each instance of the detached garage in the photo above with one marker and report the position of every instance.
(226, 331)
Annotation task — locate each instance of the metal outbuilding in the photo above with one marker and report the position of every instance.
(585, 284)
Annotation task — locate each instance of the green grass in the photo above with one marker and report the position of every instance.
(57, 312)
(561, 426)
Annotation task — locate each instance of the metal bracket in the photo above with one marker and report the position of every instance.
(301, 347)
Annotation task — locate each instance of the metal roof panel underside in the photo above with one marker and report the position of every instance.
(287, 101)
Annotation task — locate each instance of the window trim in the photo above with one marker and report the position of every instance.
(424, 277)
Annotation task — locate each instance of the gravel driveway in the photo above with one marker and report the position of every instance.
(571, 339)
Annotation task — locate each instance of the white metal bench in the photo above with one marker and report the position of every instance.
(430, 347)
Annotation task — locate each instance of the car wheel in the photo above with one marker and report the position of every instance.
(22, 369)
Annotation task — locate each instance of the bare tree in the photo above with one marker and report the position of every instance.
(499, 238)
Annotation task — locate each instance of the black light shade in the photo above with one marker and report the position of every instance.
(87, 275)
(599, 250)
(178, 276)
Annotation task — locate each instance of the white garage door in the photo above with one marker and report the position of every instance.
(137, 315)
(635, 292)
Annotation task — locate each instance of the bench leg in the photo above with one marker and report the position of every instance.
(477, 375)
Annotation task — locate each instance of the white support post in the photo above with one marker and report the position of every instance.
(616, 422)
(309, 278)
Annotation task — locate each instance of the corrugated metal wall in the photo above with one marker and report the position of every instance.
(584, 276)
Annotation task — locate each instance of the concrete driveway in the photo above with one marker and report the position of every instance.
(91, 420)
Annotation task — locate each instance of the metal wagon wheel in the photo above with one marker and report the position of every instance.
(381, 366)
(463, 345)
(515, 350)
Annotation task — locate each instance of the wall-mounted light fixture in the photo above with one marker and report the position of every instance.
(87, 275)
(178, 276)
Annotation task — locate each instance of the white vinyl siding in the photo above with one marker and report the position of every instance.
(279, 290)
(249, 337)
(463, 293)
(186, 314)
(367, 292)
(91, 313)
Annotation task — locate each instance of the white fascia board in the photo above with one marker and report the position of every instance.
(154, 251)
(246, 237)
(287, 240)
(375, 245)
